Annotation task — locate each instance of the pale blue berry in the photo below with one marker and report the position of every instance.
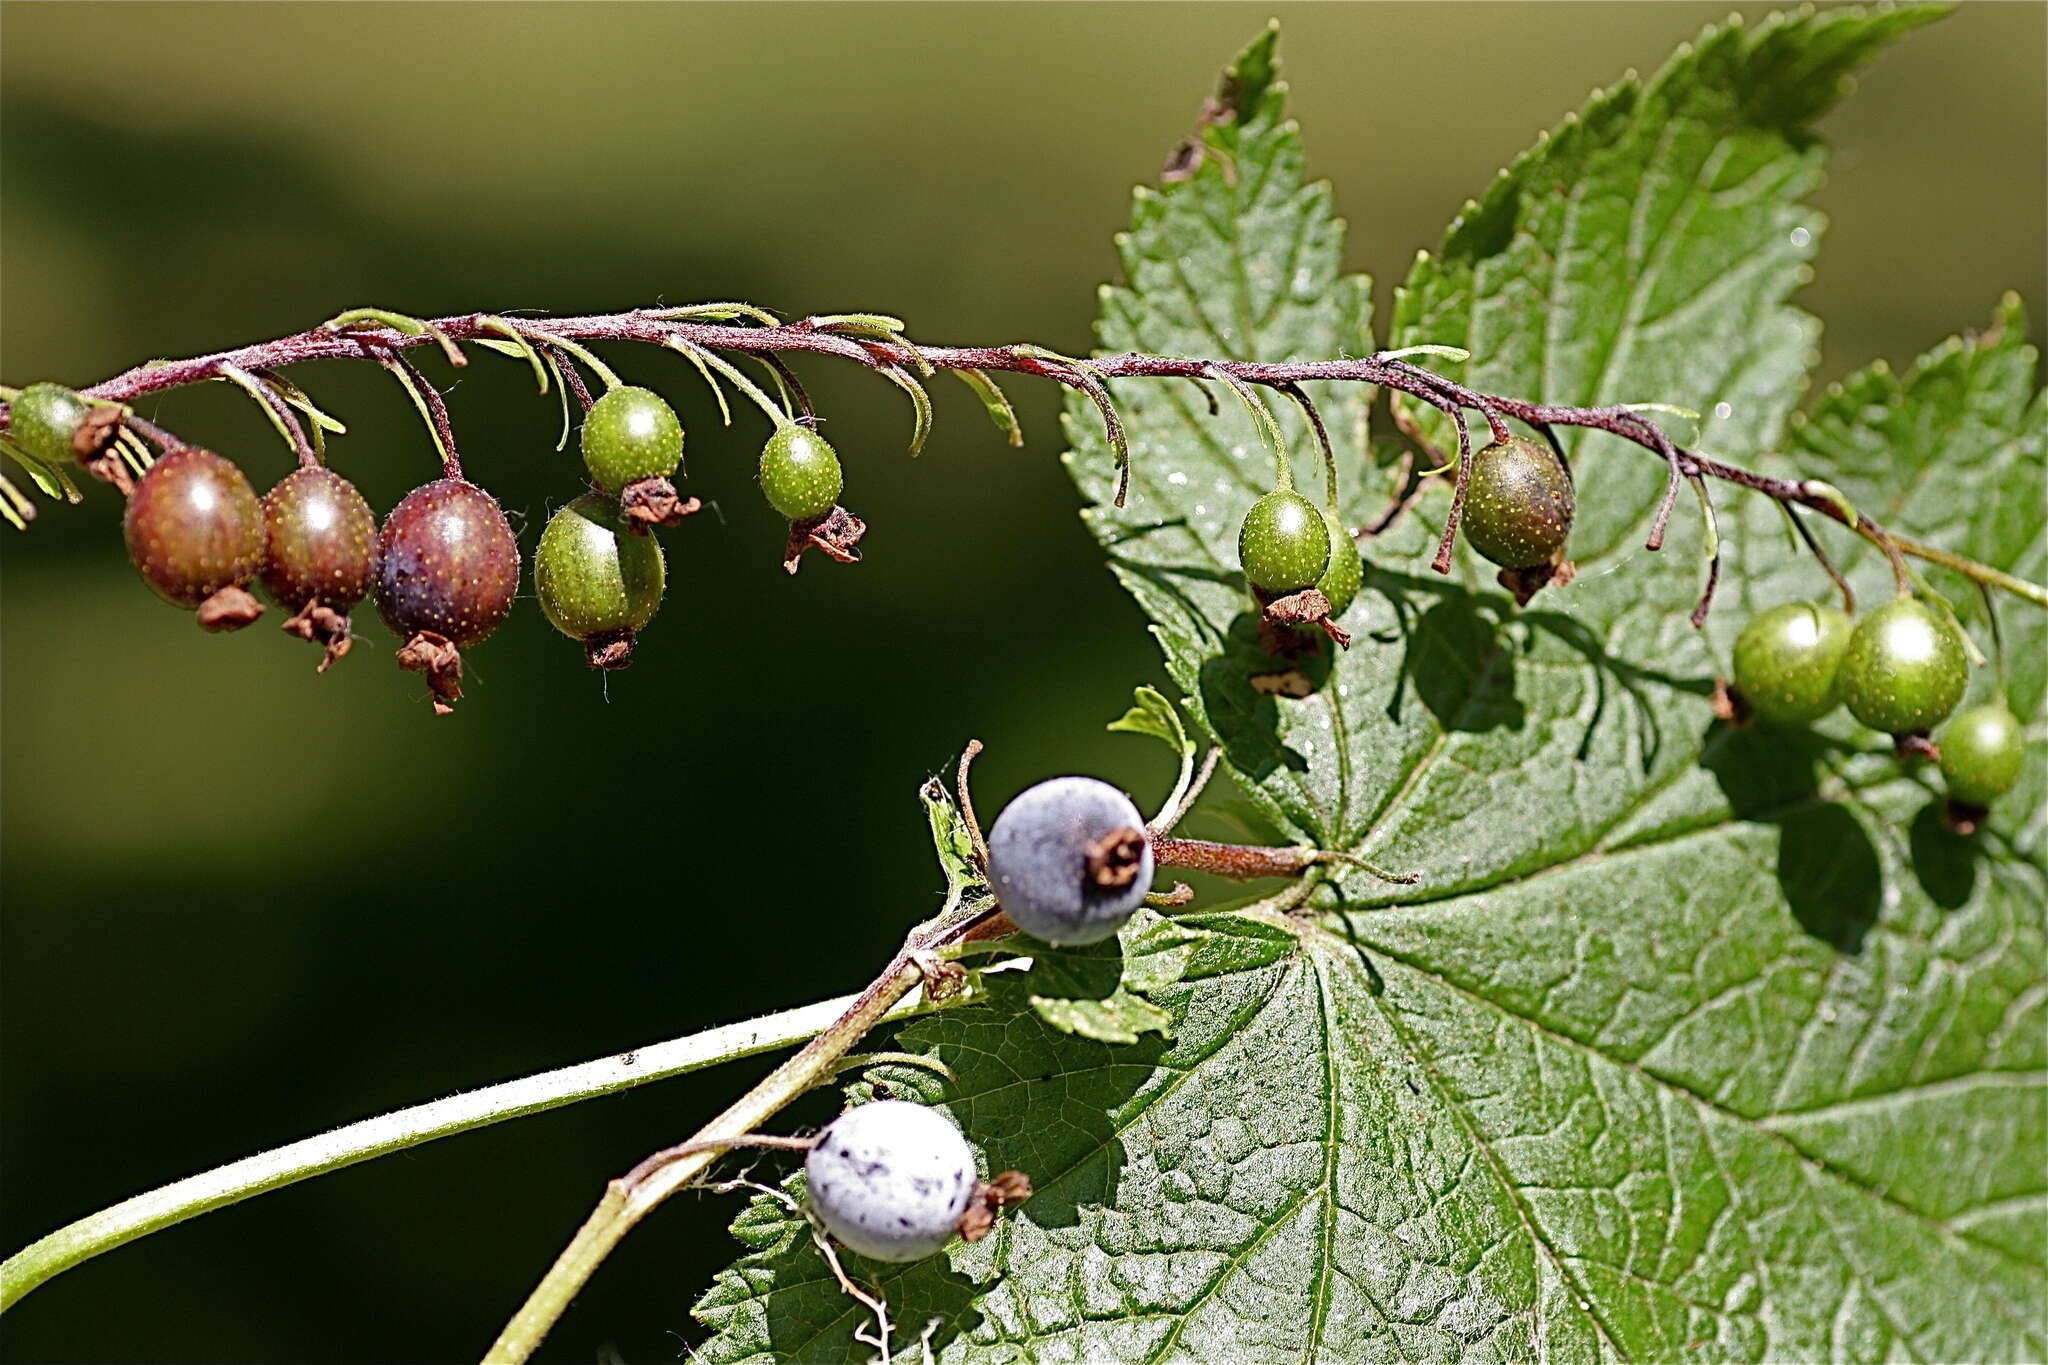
(1059, 868)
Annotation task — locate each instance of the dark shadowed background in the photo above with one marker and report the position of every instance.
(243, 903)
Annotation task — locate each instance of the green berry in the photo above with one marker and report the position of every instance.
(593, 575)
(1905, 669)
(1346, 574)
(44, 417)
(1788, 662)
(1284, 544)
(1519, 503)
(1981, 753)
(630, 434)
(800, 473)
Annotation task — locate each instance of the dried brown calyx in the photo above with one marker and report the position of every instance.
(438, 658)
(1524, 584)
(654, 502)
(230, 608)
(1116, 858)
(835, 534)
(324, 626)
(990, 1198)
(610, 649)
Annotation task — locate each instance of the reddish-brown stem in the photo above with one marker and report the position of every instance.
(1239, 862)
(802, 336)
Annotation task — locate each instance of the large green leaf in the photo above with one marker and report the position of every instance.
(1690, 1044)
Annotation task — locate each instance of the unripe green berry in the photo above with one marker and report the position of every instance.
(630, 434)
(1519, 503)
(1788, 662)
(800, 473)
(592, 574)
(1284, 544)
(1981, 754)
(1904, 670)
(1346, 572)
(43, 418)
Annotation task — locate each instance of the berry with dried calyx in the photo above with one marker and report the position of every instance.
(800, 473)
(1905, 668)
(194, 530)
(1982, 752)
(1069, 860)
(596, 580)
(631, 434)
(46, 420)
(1284, 544)
(1788, 662)
(319, 555)
(447, 571)
(1519, 503)
(891, 1180)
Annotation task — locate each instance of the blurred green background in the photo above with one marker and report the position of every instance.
(243, 903)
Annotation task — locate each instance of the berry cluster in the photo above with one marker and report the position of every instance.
(1902, 670)
(1305, 571)
(444, 566)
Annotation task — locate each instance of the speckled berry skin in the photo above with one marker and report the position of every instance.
(319, 541)
(42, 419)
(1904, 670)
(1788, 662)
(447, 563)
(890, 1179)
(800, 473)
(631, 434)
(194, 526)
(1982, 752)
(594, 576)
(1346, 572)
(1284, 544)
(1038, 860)
(1519, 504)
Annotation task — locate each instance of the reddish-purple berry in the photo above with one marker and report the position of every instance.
(319, 541)
(448, 564)
(194, 527)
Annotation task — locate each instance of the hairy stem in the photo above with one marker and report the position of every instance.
(666, 327)
(345, 1146)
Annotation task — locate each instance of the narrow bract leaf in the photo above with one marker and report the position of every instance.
(995, 401)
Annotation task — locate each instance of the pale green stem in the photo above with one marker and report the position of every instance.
(345, 1146)
(627, 1200)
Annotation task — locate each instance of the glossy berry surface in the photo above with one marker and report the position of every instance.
(42, 419)
(593, 575)
(319, 541)
(194, 526)
(1788, 662)
(631, 434)
(1039, 860)
(1284, 544)
(1981, 754)
(1346, 572)
(1905, 669)
(1519, 503)
(800, 473)
(447, 563)
(890, 1179)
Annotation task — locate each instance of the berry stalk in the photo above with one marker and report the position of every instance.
(368, 334)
